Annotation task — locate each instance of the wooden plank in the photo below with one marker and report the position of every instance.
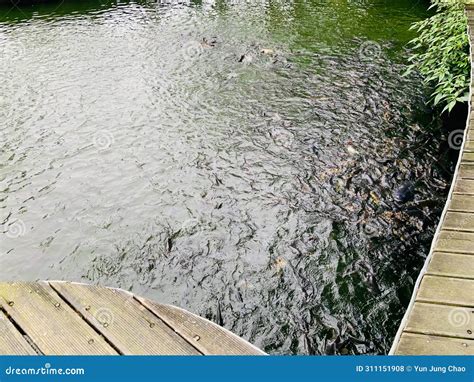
(459, 221)
(446, 290)
(419, 344)
(12, 341)
(466, 171)
(457, 242)
(208, 337)
(469, 146)
(441, 320)
(464, 186)
(467, 157)
(470, 133)
(50, 323)
(464, 203)
(471, 116)
(127, 324)
(451, 265)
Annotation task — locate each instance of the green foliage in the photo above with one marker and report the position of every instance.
(442, 53)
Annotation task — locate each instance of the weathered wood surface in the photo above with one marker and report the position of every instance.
(206, 336)
(447, 291)
(431, 319)
(48, 321)
(462, 203)
(123, 320)
(12, 342)
(456, 242)
(61, 318)
(411, 344)
(440, 318)
(451, 265)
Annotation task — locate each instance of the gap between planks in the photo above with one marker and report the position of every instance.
(160, 339)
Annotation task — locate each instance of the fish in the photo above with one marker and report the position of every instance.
(267, 51)
(404, 193)
(219, 319)
(205, 43)
(246, 58)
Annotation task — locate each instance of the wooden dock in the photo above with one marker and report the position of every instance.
(440, 317)
(62, 318)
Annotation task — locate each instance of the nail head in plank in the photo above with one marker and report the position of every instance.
(441, 320)
(51, 324)
(127, 324)
(416, 344)
(208, 337)
(446, 290)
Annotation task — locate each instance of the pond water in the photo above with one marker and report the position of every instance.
(263, 164)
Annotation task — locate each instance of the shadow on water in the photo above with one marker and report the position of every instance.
(27, 9)
(23, 10)
(263, 163)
